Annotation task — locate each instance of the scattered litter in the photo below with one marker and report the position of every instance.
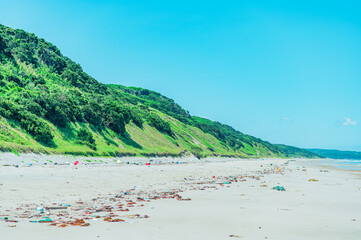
(40, 209)
(313, 180)
(109, 219)
(10, 220)
(234, 236)
(55, 208)
(45, 220)
(111, 208)
(76, 222)
(279, 188)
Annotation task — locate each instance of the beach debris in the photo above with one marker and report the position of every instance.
(109, 219)
(234, 236)
(11, 225)
(40, 209)
(56, 208)
(10, 220)
(312, 180)
(112, 207)
(76, 163)
(45, 220)
(77, 222)
(279, 188)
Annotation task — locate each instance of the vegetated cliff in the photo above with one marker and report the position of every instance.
(49, 104)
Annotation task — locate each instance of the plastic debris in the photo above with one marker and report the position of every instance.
(234, 236)
(45, 220)
(113, 207)
(40, 209)
(313, 180)
(279, 188)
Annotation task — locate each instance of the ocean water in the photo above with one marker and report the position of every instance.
(347, 164)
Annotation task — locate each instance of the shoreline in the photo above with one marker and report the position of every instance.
(335, 164)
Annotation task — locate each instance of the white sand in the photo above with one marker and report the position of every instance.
(327, 209)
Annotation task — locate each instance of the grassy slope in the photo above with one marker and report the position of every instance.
(141, 141)
(291, 152)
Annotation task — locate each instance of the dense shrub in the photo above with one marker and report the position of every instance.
(137, 117)
(86, 137)
(157, 122)
(34, 125)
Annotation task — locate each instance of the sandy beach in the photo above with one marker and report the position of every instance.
(135, 198)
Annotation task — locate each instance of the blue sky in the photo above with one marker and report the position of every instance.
(285, 71)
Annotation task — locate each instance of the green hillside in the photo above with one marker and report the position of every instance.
(292, 152)
(49, 104)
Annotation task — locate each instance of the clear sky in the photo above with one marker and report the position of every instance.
(285, 71)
